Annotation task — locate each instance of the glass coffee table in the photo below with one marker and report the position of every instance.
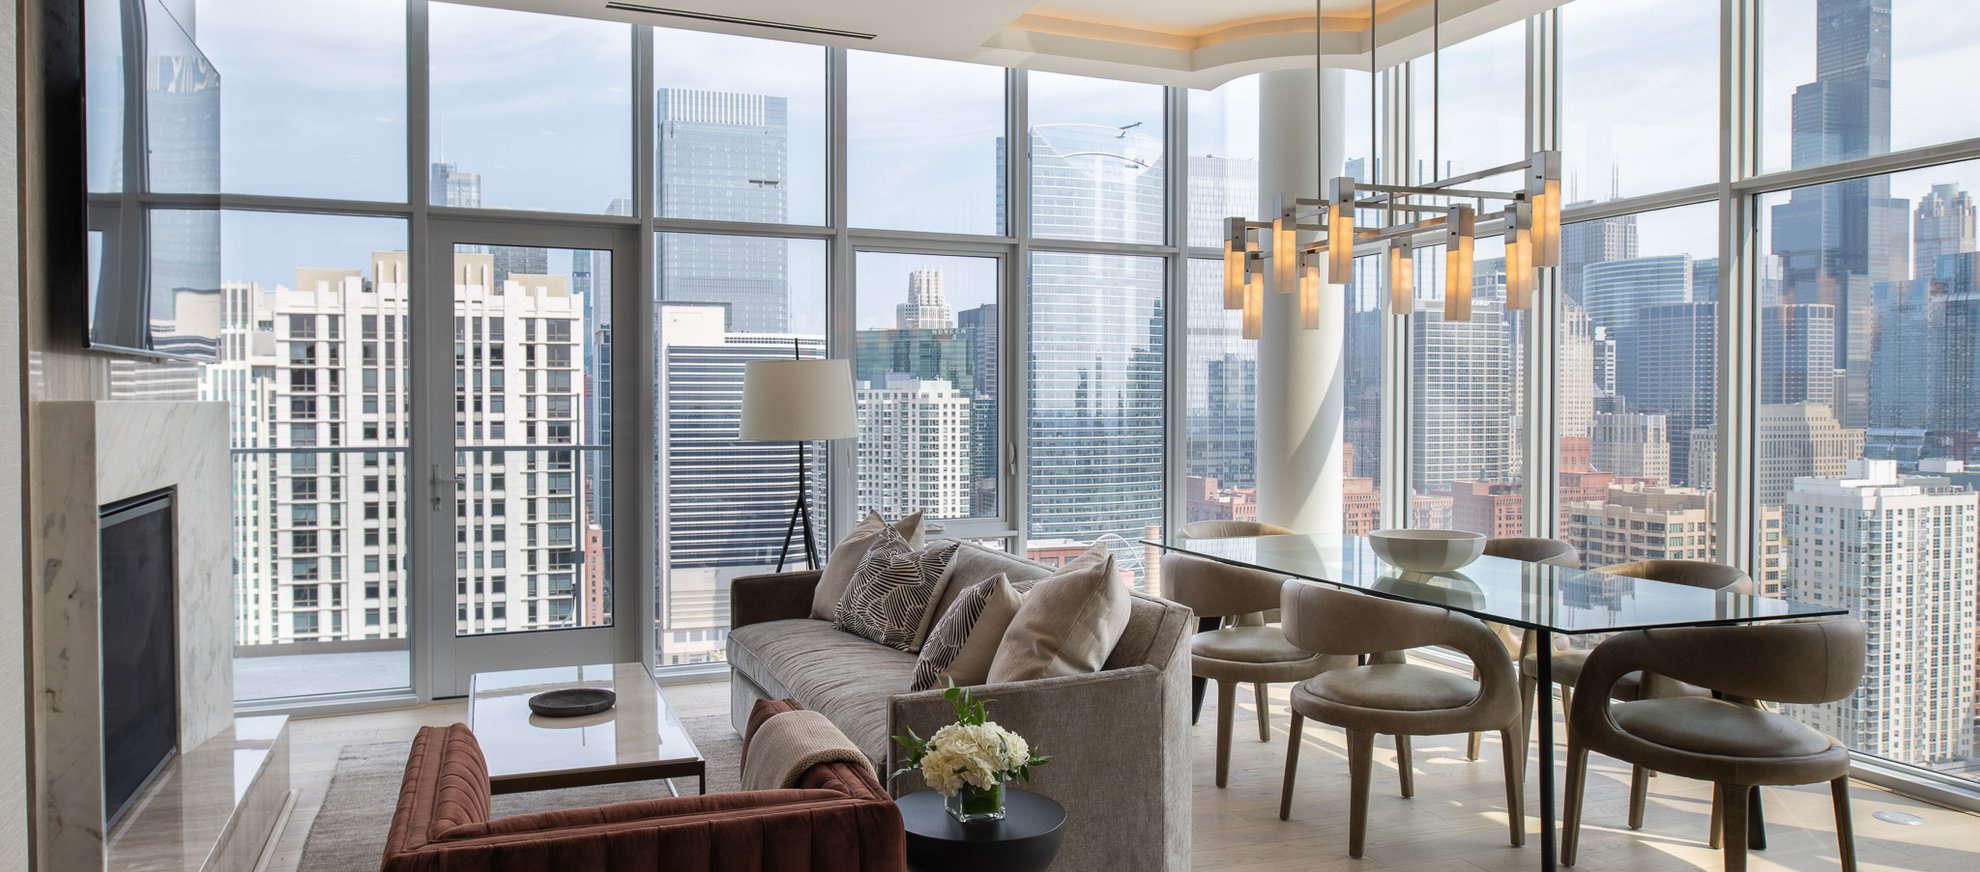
(638, 739)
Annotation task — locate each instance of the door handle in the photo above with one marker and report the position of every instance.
(451, 482)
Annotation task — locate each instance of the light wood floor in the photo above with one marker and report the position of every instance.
(1456, 822)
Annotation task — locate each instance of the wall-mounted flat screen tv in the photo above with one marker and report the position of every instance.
(151, 118)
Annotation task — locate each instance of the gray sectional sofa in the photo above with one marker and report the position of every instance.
(1118, 738)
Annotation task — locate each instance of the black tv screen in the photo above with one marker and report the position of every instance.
(152, 177)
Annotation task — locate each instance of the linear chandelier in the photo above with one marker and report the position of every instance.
(1528, 217)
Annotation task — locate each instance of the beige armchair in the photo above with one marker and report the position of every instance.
(1568, 664)
(1530, 549)
(1243, 648)
(1729, 741)
(1400, 698)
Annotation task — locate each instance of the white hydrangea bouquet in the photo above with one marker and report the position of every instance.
(969, 761)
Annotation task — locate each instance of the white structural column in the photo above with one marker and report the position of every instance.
(1301, 389)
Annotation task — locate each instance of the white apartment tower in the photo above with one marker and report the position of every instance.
(1899, 553)
(913, 448)
(316, 376)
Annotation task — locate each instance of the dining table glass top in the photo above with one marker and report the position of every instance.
(1533, 596)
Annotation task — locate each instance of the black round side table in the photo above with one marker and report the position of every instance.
(1026, 840)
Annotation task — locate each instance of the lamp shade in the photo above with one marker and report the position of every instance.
(798, 400)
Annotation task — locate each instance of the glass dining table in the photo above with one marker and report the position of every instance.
(1539, 598)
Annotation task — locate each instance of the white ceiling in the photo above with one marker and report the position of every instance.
(1179, 42)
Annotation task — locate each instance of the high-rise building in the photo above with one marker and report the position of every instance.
(1218, 188)
(913, 447)
(1591, 242)
(1796, 360)
(1460, 398)
(1223, 441)
(1799, 441)
(926, 308)
(1632, 444)
(724, 155)
(1899, 553)
(1097, 340)
(1615, 292)
(1574, 372)
(1677, 367)
(724, 503)
(1837, 240)
(1942, 224)
(448, 185)
(323, 365)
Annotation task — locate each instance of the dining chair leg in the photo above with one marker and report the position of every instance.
(1567, 702)
(1226, 709)
(1264, 711)
(1293, 732)
(1733, 798)
(1639, 795)
(1527, 687)
(1577, 775)
(1473, 741)
(1845, 830)
(1718, 820)
(1515, 787)
(1404, 767)
(1361, 756)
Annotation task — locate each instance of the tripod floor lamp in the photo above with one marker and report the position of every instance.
(798, 401)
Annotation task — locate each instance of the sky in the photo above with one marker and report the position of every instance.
(315, 107)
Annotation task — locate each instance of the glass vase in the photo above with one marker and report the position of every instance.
(971, 804)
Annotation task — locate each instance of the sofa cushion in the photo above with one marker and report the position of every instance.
(1069, 623)
(974, 564)
(891, 591)
(845, 558)
(965, 640)
(842, 676)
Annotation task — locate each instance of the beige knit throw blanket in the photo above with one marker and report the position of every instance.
(790, 743)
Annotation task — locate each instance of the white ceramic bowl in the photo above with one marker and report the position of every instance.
(1427, 550)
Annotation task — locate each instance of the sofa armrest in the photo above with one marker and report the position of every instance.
(1059, 716)
(781, 596)
(1120, 765)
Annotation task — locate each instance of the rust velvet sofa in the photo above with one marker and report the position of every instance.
(838, 819)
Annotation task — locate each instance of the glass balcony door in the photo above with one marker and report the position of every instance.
(518, 466)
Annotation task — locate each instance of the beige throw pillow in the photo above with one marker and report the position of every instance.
(1068, 624)
(966, 638)
(846, 557)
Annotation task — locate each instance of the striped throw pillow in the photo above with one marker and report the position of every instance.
(958, 628)
(891, 590)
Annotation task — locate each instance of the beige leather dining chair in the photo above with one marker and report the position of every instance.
(1392, 697)
(1568, 664)
(1243, 648)
(1530, 549)
(1730, 741)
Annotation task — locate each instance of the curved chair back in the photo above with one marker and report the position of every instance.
(1805, 662)
(1533, 549)
(1691, 573)
(1231, 529)
(1213, 589)
(1327, 620)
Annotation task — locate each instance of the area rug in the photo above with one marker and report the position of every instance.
(349, 832)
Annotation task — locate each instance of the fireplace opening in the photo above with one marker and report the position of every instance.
(139, 657)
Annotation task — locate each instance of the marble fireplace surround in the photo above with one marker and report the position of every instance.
(92, 454)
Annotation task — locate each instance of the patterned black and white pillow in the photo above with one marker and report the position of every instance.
(951, 633)
(891, 590)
